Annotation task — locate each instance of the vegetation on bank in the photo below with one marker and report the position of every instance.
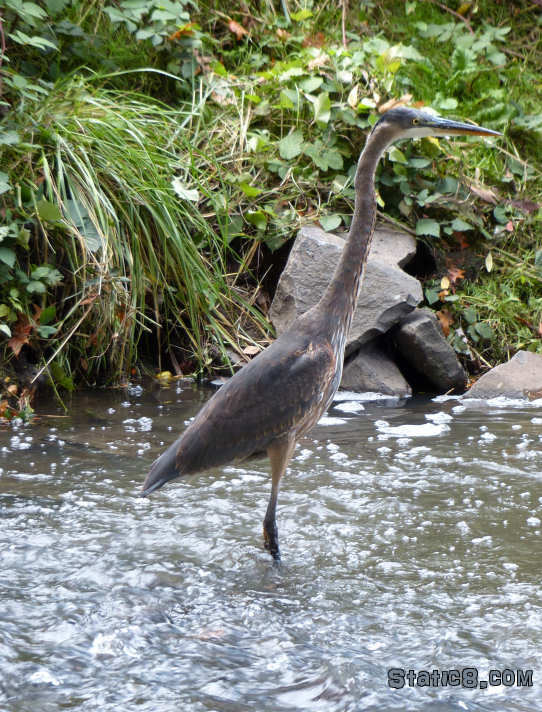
(155, 153)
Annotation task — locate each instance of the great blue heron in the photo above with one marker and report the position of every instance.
(276, 398)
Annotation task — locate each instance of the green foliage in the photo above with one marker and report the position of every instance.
(129, 222)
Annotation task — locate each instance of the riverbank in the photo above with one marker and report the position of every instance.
(156, 164)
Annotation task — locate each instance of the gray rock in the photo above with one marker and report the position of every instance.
(422, 345)
(521, 377)
(372, 370)
(388, 294)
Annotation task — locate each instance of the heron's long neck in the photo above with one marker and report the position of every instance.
(339, 300)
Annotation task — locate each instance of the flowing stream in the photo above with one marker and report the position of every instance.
(410, 534)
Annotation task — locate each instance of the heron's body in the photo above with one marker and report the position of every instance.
(277, 398)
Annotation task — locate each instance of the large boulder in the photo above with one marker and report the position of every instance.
(387, 295)
(371, 369)
(521, 377)
(421, 344)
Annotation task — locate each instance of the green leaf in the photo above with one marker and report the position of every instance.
(184, 192)
(48, 314)
(396, 155)
(9, 138)
(303, 14)
(334, 159)
(61, 377)
(4, 182)
(428, 227)
(419, 162)
(291, 72)
(23, 237)
(48, 274)
(330, 222)
(7, 256)
(83, 223)
(46, 331)
(257, 218)
(35, 287)
(50, 212)
(470, 315)
(35, 41)
(250, 190)
(485, 331)
(432, 296)
(322, 108)
(285, 101)
(311, 84)
(4, 328)
(461, 226)
(290, 146)
(55, 7)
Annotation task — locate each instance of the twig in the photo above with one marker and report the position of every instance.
(454, 13)
(343, 20)
(2, 50)
(396, 223)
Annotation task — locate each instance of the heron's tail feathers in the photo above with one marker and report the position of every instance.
(163, 469)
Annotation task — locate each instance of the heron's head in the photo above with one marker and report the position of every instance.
(410, 123)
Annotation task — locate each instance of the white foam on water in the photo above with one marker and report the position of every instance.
(350, 406)
(425, 430)
(440, 417)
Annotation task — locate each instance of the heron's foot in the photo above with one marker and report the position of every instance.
(271, 539)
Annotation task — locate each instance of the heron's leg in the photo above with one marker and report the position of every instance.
(279, 454)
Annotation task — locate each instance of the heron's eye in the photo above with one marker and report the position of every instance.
(415, 122)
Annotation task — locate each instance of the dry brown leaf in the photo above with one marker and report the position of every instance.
(21, 335)
(319, 61)
(446, 320)
(526, 206)
(316, 40)
(454, 273)
(237, 29)
(283, 34)
(484, 193)
(184, 31)
(251, 350)
(12, 390)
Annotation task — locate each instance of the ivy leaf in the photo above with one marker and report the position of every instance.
(428, 227)
(290, 146)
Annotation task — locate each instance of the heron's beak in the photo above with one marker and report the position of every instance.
(445, 127)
